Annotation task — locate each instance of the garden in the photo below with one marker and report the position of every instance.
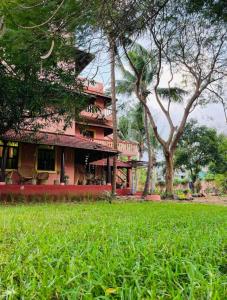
(113, 251)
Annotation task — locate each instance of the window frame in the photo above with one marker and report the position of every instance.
(18, 153)
(91, 130)
(37, 158)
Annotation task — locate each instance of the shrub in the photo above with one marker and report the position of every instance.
(221, 182)
(209, 177)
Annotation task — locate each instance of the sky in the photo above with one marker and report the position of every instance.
(211, 115)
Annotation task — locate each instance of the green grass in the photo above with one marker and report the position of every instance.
(113, 251)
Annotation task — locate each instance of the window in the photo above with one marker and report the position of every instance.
(12, 155)
(46, 158)
(90, 134)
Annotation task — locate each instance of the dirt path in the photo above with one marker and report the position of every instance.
(211, 200)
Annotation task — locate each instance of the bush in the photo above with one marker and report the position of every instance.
(180, 181)
(221, 182)
(209, 177)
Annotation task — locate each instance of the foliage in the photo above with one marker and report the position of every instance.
(87, 251)
(221, 182)
(192, 47)
(30, 84)
(214, 10)
(219, 164)
(131, 127)
(181, 194)
(180, 181)
(197, 148)
(209, 177)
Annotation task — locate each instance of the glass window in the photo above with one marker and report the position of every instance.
(46, 158)
(89, 134)
(12, 155)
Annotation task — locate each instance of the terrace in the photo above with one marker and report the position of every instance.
(126, 148)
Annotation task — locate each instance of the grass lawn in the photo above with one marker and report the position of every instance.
(118, 251)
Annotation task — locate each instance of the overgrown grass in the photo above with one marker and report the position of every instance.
(119, 251)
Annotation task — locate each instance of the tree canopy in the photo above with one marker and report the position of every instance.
(198, 147)
(33, 75)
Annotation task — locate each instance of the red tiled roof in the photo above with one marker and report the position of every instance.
(71, 141)
(120, 164)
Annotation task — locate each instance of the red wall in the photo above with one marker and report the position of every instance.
(99, 131)
(27, 163)
(53, 189)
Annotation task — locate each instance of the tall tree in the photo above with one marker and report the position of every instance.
(141, 58)
(116, 20)
(132, 127)
(198, 147)
(189, 47)
(143, 67)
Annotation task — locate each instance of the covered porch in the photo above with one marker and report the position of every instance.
(54, 159)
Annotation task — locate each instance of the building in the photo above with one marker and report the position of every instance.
(80, 155)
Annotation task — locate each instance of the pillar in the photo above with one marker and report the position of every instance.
(62, 171)
(108, 172)
(129, 177)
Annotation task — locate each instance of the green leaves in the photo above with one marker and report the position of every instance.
(173, 94)
(198, 147)
(30, 83)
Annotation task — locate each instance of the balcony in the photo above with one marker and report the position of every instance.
(95, 110)
(103, 116)
(126, 148)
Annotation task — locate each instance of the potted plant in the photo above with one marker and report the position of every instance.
(34, 180)
(8, 178)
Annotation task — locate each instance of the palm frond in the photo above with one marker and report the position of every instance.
(175, 94)
(125, 87)
(126, 74)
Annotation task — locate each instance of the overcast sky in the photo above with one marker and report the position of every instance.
(211, 115)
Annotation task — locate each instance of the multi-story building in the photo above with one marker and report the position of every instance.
(82, 154)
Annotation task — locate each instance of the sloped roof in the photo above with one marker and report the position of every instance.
(120, 164)
(71, 141)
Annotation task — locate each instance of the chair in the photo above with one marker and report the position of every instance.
(26, 174)
(9, 174)
(42, 176)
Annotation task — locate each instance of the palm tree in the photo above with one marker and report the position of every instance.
(131, 127)
(145, 64)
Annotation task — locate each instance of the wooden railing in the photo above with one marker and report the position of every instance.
(126, 148)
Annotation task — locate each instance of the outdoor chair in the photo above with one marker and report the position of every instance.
(9, 174)
(26, 174)
(42, 176)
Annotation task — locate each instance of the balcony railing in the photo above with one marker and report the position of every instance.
(126, 148)
(105, 112)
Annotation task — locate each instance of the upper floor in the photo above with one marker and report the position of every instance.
(95, 122)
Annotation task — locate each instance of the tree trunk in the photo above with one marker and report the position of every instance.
(169, 174)
(147, 185)
(114, 111)
(153, 174)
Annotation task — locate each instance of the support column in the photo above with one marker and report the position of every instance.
(129, 177)
(62, 172)
(108, 171)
